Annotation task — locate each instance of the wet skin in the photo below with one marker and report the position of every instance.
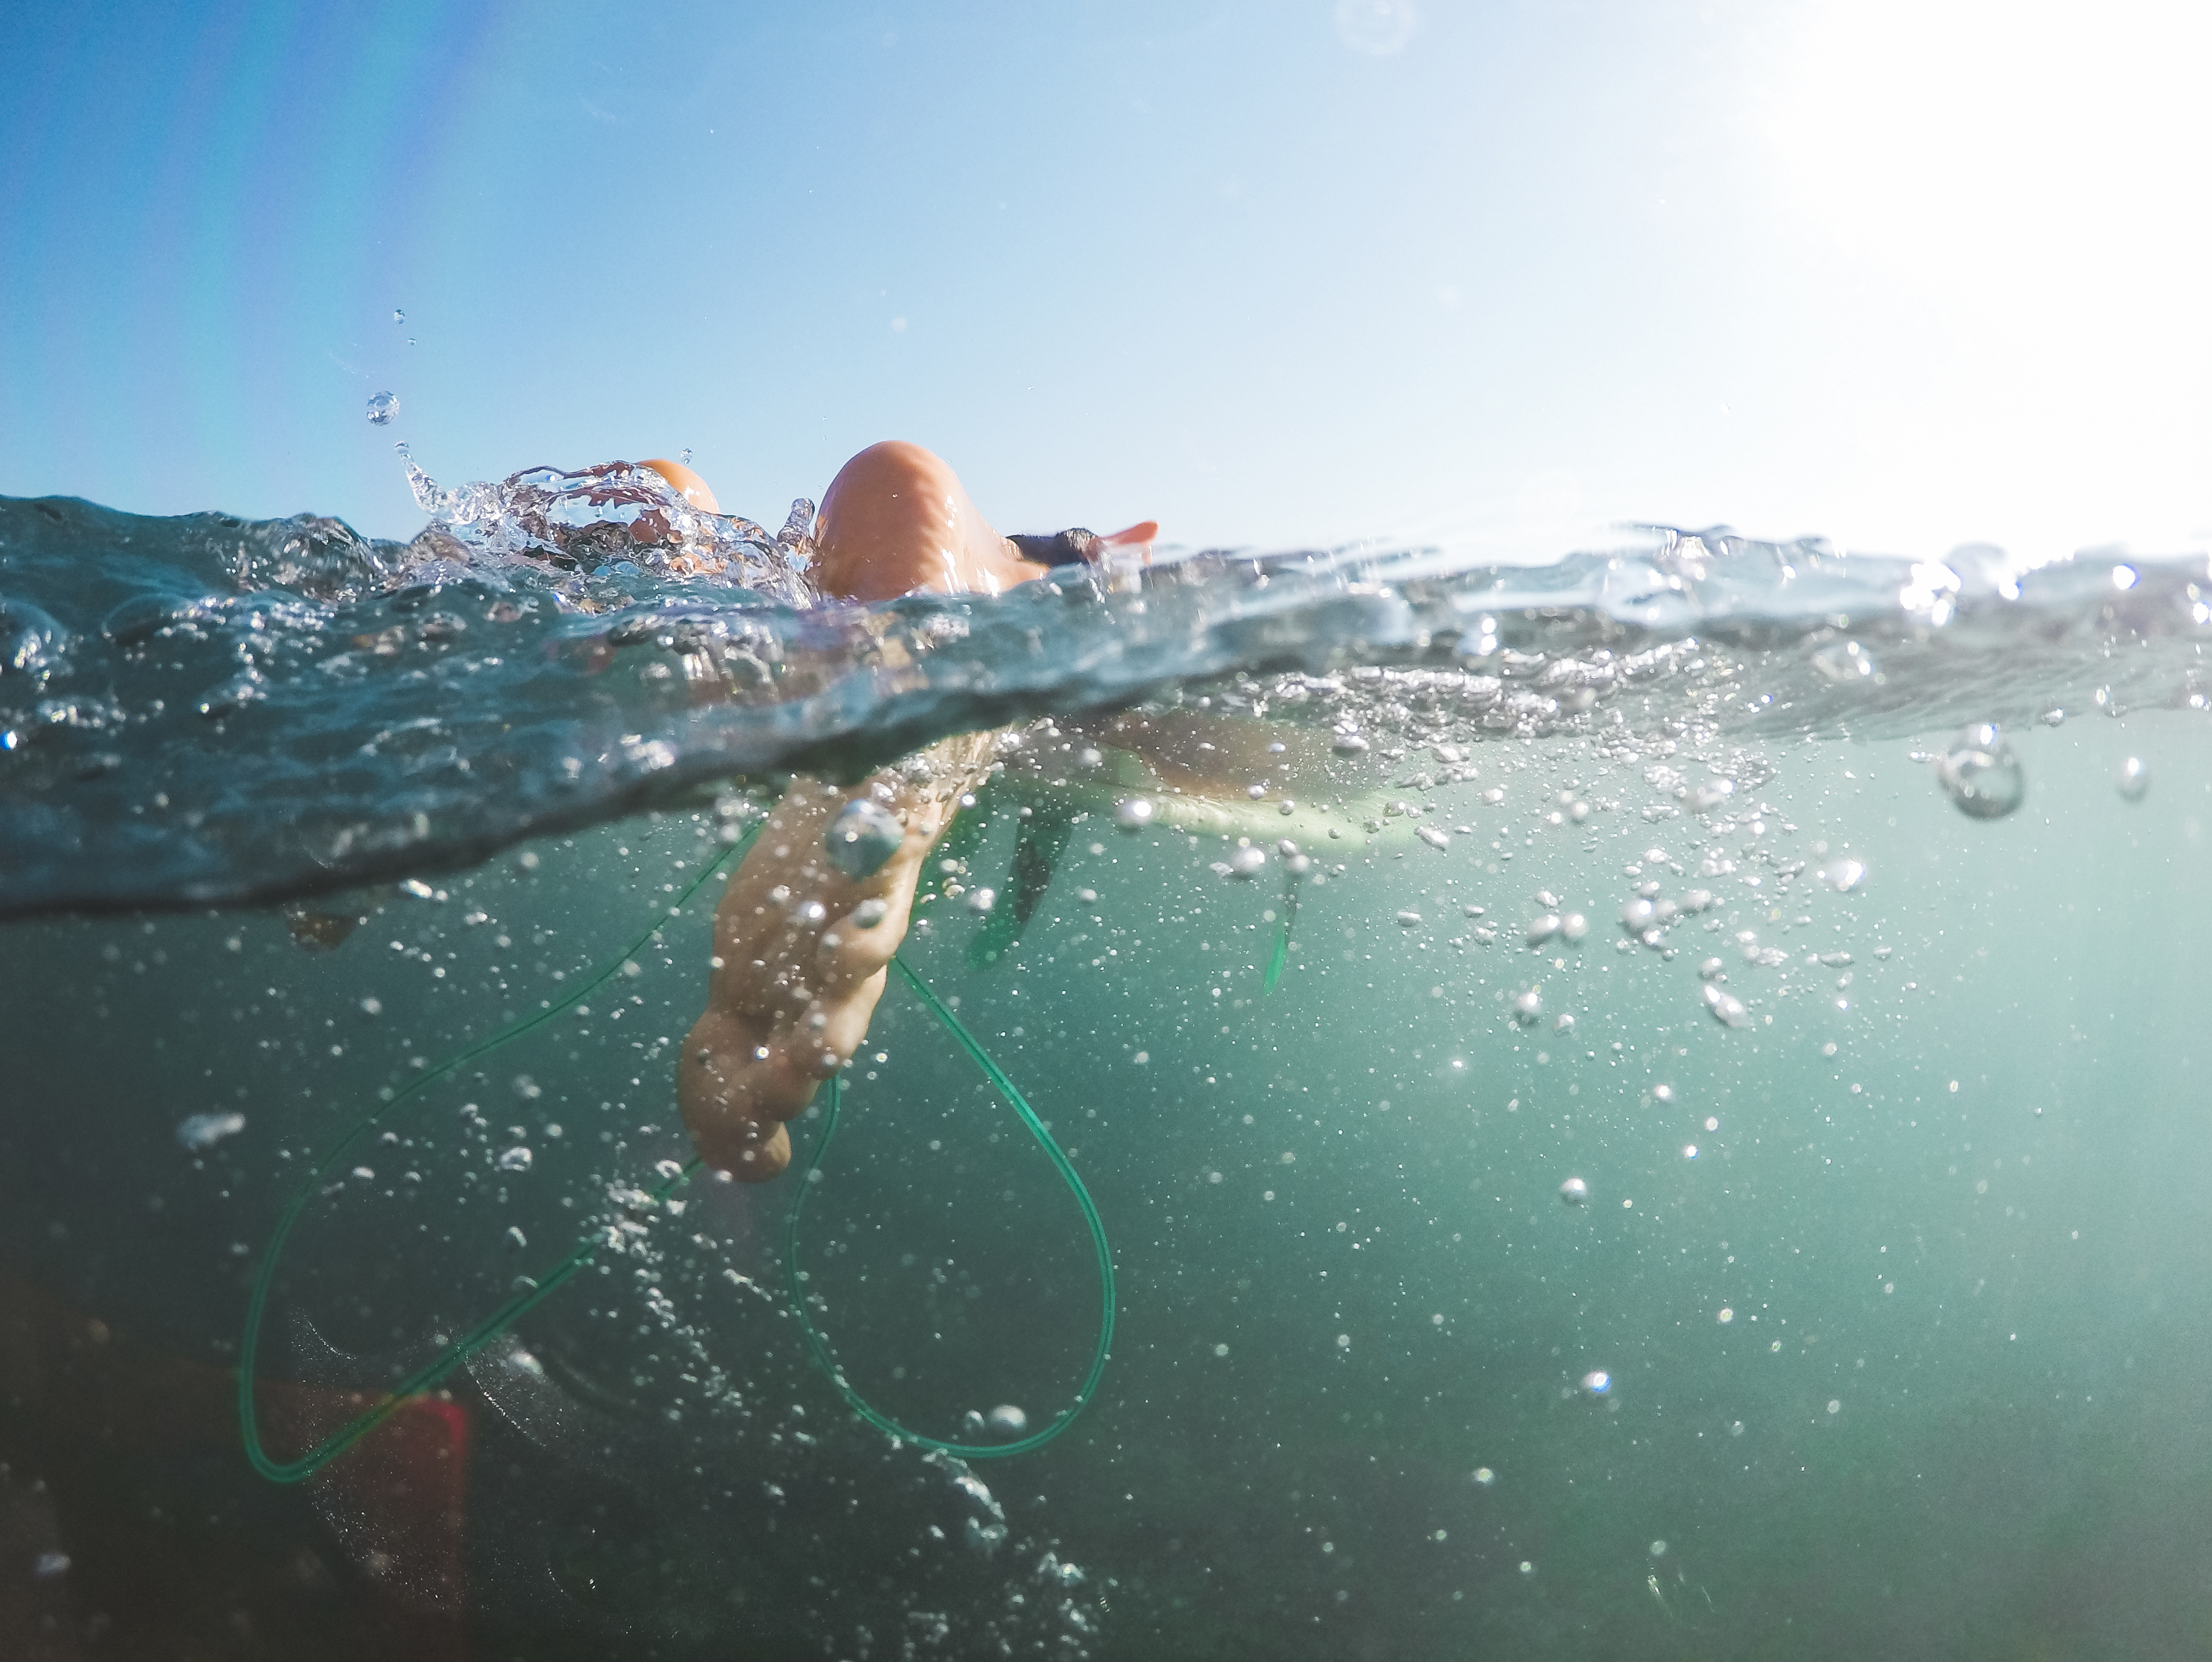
(797, 978)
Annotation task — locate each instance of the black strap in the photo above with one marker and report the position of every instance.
(1066, 547)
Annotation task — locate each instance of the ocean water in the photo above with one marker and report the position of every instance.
(1879, 1325)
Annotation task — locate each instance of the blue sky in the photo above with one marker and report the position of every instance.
(1906, 275)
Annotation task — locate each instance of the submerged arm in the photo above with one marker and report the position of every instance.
(802, 950)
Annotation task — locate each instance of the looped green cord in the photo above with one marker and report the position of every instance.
(428, 1375)
(819, 1346)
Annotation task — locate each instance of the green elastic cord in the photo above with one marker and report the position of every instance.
(1281, 955)
(427, 1376)
(292, 1471)
(819, 1345)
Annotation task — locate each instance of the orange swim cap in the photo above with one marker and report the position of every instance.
(693, 489)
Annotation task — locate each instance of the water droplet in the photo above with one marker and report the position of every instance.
(1981, 773)
(1574, 1192)
(398, 316)
(1132, 813)
(2135, 779)
(1597, 1383)
(685, 456)
(1007, 1421)
(863, 836)
(516, 1159)
(382, 408)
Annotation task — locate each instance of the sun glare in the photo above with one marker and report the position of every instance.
(2020, 149)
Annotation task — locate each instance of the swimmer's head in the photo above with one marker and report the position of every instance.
(687, 483)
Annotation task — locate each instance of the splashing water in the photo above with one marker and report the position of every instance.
(206, 709)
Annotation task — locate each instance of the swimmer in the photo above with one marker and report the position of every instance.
(801, 949)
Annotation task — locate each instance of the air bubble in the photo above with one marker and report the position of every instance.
(1527, 1005)
(1844, 662)
(2135, 779)
(1132, 813)
(203, 1130)
(1597, 1383)
(1006, 1422)
(516, 1159)
(864, 835)
(1980, 773)
(1727, 1009)
(1574, 1192)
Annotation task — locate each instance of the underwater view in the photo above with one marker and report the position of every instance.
(1640, 1105)
(1491, 943)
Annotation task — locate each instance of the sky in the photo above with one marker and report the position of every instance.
(1275, 272)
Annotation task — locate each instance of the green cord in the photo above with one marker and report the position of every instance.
(819, 1346)
(1281, 956)
(424, 1378)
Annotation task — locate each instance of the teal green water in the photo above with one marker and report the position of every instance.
(1958, 1407)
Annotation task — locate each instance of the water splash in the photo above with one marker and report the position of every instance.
(205, 709)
